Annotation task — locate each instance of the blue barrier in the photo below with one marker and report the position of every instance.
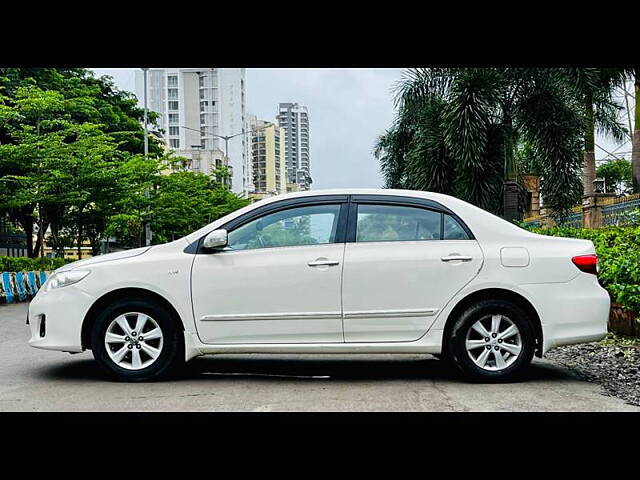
(7, 288)
(31, 282)
(20, 286)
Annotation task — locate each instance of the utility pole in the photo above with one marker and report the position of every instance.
(147, 227)
(40, 215)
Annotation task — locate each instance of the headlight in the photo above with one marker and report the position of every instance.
(63, 279)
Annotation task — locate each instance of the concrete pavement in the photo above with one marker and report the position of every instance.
(39, 380)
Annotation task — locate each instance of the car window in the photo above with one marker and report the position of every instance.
(453, 230)
(388, 223)
(311, 225)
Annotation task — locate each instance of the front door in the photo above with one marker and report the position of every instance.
(403, 266)
(278, 281)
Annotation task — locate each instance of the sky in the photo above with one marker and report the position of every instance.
(348, 109)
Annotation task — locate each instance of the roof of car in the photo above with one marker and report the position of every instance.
(343, 191)
(351, 191)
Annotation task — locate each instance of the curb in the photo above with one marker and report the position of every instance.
(20, 286)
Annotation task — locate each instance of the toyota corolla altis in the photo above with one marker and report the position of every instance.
(336, 271)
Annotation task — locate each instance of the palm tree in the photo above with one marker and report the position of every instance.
(594, 88)
(457, 128)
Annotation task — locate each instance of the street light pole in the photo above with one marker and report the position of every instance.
(147, 227)
(146, 115)
(226, 147)
(226, 138)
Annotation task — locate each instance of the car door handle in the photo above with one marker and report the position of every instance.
(452, 258)
(319, 263)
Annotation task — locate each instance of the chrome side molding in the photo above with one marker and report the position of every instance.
(275, 316)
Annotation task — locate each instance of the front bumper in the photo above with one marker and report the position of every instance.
(64, 310)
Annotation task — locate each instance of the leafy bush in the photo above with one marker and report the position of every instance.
(618, 250)
(25, 264)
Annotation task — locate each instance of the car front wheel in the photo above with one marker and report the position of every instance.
(492, 341)
(136, 340)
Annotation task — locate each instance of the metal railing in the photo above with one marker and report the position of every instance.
(13, 244)
(574, 220)
(615, 211)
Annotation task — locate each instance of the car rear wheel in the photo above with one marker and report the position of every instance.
(492, 341)
(135, 340)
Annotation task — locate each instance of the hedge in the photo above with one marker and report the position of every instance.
(618, 250)
(25, 264)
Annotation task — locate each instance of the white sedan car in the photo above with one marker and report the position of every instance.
(335, 271)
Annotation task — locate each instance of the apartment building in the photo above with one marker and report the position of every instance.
(269, 173)
(202, 116)
(294, 118)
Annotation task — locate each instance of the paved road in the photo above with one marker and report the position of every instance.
(39, 380)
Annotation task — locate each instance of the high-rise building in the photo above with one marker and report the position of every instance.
(197, 106)
(294, 118)
(269, 173)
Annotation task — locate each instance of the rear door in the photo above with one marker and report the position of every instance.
(402, 264)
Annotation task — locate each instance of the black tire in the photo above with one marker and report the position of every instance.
(171, 357)
(456, 343)
(446, 364)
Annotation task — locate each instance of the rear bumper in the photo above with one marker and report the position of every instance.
(64, 310)
(572, 312)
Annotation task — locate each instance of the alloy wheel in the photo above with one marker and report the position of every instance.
(494, 342)
(133, 340)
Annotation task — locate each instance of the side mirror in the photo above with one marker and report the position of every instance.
(216, 239)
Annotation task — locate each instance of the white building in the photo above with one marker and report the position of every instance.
(197, 106)
(294, 118)
(202, 161)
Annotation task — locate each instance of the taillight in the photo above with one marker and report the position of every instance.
(586, 263)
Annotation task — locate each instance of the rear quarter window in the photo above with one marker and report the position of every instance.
(453, 230)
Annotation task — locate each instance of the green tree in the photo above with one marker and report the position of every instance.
(617, 176)
(38, 134)
(97, 101)
(457, 129)
(71, 162)
(132, 204)
(68, 141)
(182, 202)
(594, 88)
(526, 159)
(64, 172)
